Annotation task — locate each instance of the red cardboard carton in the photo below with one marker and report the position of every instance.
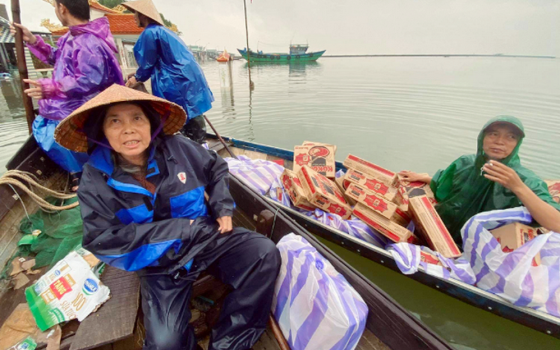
(371, 183)
(514, 235)
(320, 158)
(339, 181)
(292, 185)
(554, 189)
(407, 190)
(312, 143)
(386, 227)
(433, 229)
(373, 170)
(401, 217)
(429, 258)
(323, 193)
(374, 202)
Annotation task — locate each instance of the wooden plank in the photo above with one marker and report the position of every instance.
(370, 342)
(115, 320)
(267, 342)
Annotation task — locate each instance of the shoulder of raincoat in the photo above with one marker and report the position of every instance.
(85, 64)
(176, 76)
(130, 228)
(462, 191)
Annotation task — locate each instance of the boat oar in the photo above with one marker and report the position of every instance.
(220, 137)
(22, 67)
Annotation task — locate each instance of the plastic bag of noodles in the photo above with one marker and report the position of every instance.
(316, 308)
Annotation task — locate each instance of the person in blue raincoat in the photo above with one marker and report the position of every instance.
(176, 76)
(85, 64)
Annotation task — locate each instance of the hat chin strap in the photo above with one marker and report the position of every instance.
(100, 144)
(160, 127)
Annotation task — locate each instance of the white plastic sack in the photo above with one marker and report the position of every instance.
(316, 308)
(483, 263)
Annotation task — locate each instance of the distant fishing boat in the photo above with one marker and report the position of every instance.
(224, 57)
(298, 53)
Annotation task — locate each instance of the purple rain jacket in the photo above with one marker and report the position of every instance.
(85, 64)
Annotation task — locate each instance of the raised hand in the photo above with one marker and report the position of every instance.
(36, 91)
(28, 37)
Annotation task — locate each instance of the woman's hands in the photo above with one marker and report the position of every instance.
(225, 223)
(411, 176)
(131, 82)
(503, 175)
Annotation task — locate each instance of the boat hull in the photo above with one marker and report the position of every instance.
(539, 321)
(282, 58)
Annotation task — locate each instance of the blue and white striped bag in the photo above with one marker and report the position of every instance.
(484, 264)
(316, 308)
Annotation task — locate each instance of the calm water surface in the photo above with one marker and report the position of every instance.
(402, 113)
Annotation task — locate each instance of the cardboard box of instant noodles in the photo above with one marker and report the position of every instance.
(377, 203)
(375, 171)
(323, 193)
(431, 226)
(339, 181)
(371, 183)
(386, 227)
(319, 157)
(515, 235)
(292, 185)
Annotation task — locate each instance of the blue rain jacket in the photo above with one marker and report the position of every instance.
(164, 57)
(130, 228)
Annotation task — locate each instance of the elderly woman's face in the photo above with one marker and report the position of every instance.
(128, 131)
(500, 140)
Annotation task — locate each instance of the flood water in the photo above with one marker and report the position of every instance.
(402, 113)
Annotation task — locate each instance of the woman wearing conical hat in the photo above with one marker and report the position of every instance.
(143, 209)
(162, 56)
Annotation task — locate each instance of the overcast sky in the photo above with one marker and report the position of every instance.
(528, 27)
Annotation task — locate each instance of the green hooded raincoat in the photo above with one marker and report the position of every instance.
(462, 191)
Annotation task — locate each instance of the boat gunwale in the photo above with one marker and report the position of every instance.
(500, 306)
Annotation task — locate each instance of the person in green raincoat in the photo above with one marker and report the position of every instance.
(491, 179)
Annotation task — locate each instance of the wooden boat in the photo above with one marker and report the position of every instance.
(298, 53)
(114, 325)
(540, 321)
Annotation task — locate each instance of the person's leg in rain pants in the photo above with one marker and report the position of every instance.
(195, 129)
(246, 260)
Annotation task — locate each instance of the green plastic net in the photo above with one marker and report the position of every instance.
(61, 232)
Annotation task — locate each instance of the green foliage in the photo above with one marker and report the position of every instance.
(111, 3)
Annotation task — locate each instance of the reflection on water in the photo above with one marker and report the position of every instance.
(403, 113)
(14, 129)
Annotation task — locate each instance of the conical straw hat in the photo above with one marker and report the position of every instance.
(145, 7)
(70, 134)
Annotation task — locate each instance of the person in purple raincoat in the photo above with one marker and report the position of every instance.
(85, 64)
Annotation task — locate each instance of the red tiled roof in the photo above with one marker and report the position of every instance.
(123, 24)
(100, 7)
(119, 23)
(60, 32)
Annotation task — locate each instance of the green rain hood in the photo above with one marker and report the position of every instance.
(462, 191)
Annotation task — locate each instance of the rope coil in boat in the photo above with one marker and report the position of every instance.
(17, 178)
